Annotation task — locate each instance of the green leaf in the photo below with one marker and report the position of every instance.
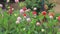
(49, 32)
(58, 32)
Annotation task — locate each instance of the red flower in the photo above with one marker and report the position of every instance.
(10, 11)
(51, 14)
(34, 12)
(24, 8)
(10, 6)
(24, 14)
(59, 18)
(44, 13)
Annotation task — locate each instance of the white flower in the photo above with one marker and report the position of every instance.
(35, 8)
(38, 23)
(28, 19)
(1, 5)
(16, 1)
(19, 18)
(12, 8)
(42, 30)
(21, 11)
(51, 17)
(7, 0)
(17, 22)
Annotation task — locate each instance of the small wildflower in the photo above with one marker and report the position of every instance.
(16, 1)
(44, 13)
(10, 11)
(12, 8)
(1, 5)
(51, 17)
(24, 8)
(28, 19)
(21, 11)
(24, 14)
(42, 30)
(34, 13)
(38, 23)
(7, 1)
(51, 14)
(35, 8)
(19, 18)
(17, 22)
(59, 18)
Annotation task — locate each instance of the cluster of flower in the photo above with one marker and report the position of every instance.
(23, 12)
(28, 19)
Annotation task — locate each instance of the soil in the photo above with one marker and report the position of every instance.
(57, 7)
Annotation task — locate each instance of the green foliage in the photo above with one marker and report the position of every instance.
(33, 3)
(8, 23)
(22, 4)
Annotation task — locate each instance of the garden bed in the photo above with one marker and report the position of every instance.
(29, 17)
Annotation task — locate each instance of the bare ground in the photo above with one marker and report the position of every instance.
(57, 7)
